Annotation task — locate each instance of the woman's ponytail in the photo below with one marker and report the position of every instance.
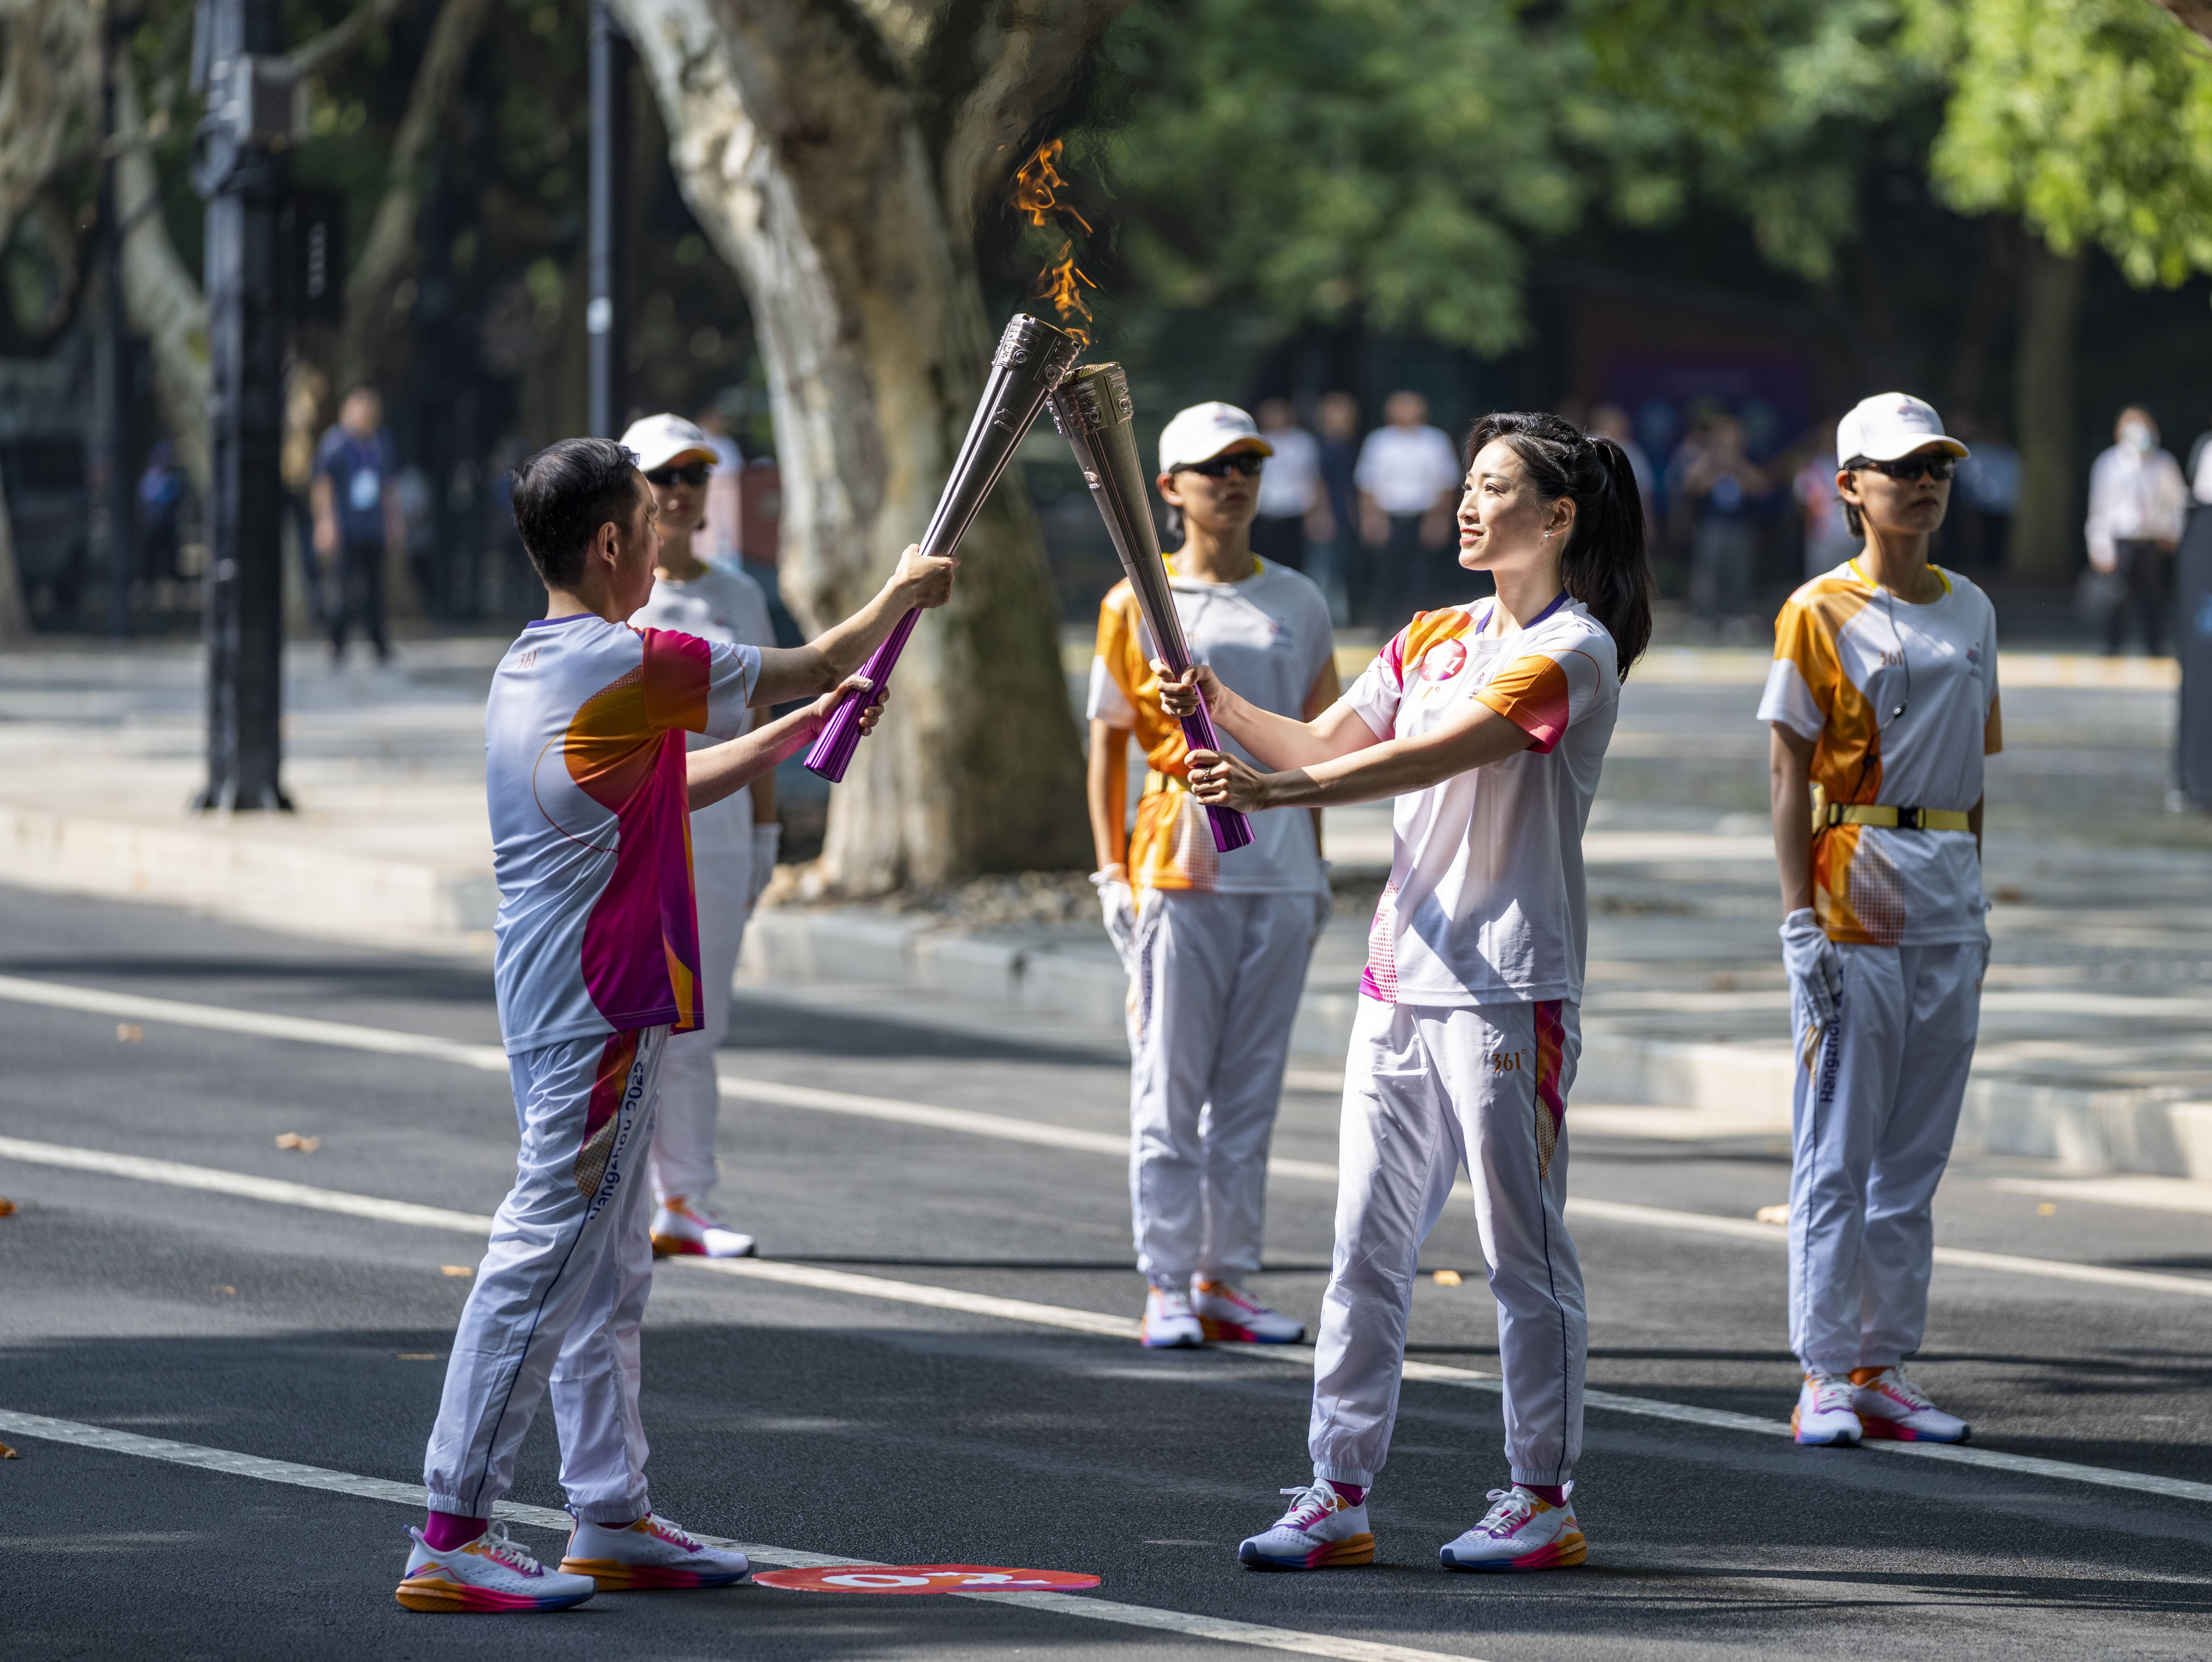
(1605, 566)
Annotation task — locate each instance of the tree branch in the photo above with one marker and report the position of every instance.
(392, 247)
(310, 55)
(49, 86)
(2195, 15)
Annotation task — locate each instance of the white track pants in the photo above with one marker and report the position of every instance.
(1213, 990)
(1873, 1124)
(560, 1294)
(683, 1138)
(1427, 1090)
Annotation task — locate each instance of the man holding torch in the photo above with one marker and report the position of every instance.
(1216, 945)
(591, 789)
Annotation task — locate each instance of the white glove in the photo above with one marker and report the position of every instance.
(1816, 978)
(1118, 902)
(766, 840)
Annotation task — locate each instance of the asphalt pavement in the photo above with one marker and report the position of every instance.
(935, 1372)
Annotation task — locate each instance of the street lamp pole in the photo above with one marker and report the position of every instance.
(606, 316)
(238, 166)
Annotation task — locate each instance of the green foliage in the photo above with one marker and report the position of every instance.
(1405, 156)
(2093, 118)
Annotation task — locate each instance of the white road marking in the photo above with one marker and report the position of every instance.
(1083, 1605)
(1021, 1310)
(967, 1121)
(2165, 1194)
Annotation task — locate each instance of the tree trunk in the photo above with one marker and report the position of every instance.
(14, 623)
(160, 298)
(2046, 529)
(801, 137)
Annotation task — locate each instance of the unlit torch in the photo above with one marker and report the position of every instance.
(1092, 409)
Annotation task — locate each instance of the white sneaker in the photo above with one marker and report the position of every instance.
(682, 1227)
(1224, 1312)
(490, 1573)
(1321, 1530)
(1823, 1415)
(1519, 1532)
(1890, 1406)
(1169, 1323)
(653, 1552)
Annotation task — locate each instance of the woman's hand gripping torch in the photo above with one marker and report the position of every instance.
(1092, 409)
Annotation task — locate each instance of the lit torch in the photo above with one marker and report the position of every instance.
(1092, 409)
(1031, 358)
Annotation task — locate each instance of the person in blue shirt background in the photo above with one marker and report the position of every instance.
(355, 499)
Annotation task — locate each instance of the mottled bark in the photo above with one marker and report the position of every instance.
(2046, 531)
(161, 298)
(837, 156)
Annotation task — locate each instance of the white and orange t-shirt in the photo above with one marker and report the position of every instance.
(598, 930)
(1268, 638)
(1485, 903)
(1846, 655)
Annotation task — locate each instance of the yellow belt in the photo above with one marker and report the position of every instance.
(1156, 782)
(1898, 819)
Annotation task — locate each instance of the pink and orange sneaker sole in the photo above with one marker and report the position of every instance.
(1353, 1549)
(435, 1595)
(615, 1576)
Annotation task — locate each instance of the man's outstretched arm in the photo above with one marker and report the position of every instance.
(789, 672)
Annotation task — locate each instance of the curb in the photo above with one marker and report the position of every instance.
(282, 885)
(2119, 1130)
(407, 904)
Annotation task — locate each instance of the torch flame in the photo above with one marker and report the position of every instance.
(1036, 188)
(1036, 198)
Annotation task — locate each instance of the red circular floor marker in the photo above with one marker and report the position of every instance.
(924, 1578)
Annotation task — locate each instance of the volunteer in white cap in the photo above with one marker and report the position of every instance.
(733, 843)
(1883, 701)
(1216, 945)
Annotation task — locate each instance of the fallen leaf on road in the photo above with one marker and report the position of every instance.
(6, 1207)
(129, 1032)
(1446, 1278)
(233, 1291)
(1772, 1214)
(455, 1269)
(6, 1452)
(294, 1140)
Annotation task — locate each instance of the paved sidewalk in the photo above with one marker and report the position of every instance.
(2097, 1033)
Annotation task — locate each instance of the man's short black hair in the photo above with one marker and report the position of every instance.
(564, 493)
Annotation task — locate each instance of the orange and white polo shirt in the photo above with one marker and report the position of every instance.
(1847, 655)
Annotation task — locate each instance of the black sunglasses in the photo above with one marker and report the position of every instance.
(691, 473)
(1246, 462)
(1938, 466)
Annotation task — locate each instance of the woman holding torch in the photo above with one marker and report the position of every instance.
(1216, 945)
(1488, 723)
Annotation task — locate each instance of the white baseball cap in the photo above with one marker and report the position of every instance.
(1204, 430)
(661, 441)
(1890, 425)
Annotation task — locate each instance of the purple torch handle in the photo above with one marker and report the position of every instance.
(1230, 828)
(840, 735)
